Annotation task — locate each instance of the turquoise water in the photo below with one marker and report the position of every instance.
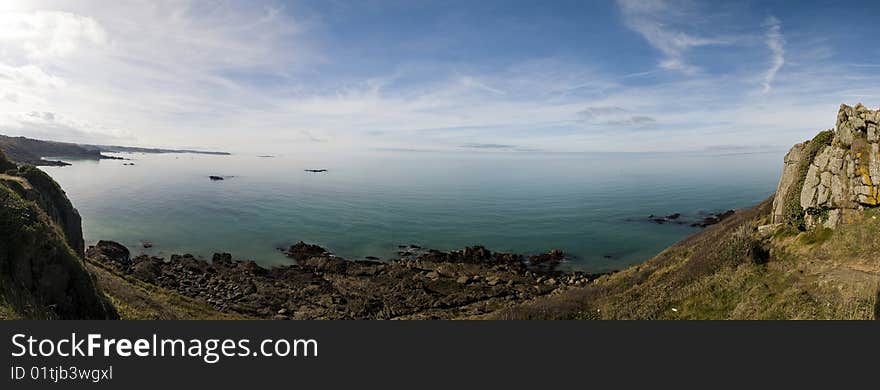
(592, 206)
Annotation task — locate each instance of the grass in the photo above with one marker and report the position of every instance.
(817, 235)
(729, 272)
(137, 300)
(7, 312)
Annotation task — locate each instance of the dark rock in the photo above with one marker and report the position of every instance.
(316, 170)
(372, 258)
(147, 244)
(111, 253)
(431, 284)
(215, 178)
(302, 251)
(713, 219)
(221, 258)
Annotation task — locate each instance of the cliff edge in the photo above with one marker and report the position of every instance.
(827, 180)
(42, 275)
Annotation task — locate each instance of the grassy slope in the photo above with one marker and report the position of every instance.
(136, 300)
(729, 271)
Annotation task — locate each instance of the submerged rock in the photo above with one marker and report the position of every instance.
(713, 219)
(215, 178)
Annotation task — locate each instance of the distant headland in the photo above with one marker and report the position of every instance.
(32, 151)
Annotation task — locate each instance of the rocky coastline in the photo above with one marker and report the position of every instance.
(420, 284)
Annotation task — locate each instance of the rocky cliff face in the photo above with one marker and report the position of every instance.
(41, 269)
(827, 179)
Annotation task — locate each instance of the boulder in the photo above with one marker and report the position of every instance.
(111, 253)
(303, 251)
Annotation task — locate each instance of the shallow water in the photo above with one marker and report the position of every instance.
(593, 206)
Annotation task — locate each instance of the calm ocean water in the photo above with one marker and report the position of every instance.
(592, 206)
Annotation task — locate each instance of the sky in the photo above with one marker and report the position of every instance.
(465, 76)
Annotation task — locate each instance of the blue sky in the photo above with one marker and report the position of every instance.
(512, 76)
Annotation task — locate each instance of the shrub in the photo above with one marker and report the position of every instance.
(794, 213)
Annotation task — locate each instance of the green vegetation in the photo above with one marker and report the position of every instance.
(794, 213)
(818, 235)
(731, 272)
(5, 164)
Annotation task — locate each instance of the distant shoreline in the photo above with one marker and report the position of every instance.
(34, 151)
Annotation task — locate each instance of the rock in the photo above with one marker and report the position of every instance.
(464, 279)
(839, 171)
(374, 258)
(713, 219)
(110, 253)
(316, 170)
(146, 244)
(215, 178)
(548, 260)
(302, 251)
(768, 229)
(221, 258)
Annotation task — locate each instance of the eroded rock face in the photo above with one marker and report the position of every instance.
(788, 181)
(842, 177)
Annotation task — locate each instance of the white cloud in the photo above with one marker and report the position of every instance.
(226, 75)
(38, 35)
(776, 43)
(661, 24)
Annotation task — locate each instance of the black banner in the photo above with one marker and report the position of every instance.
(490, 354)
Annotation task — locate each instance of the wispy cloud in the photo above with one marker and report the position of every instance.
(615, 118)
(776, 43)
(488, 146)
(257, 76)
(662, 24)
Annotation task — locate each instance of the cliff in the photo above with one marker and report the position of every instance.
(42, 275)
(827, 180)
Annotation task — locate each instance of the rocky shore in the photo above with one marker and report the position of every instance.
(420, 284)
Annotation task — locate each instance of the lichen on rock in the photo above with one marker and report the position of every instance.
(835, 174)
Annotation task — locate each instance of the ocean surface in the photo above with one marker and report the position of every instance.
(593, 206)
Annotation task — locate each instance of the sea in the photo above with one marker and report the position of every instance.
(593, 206)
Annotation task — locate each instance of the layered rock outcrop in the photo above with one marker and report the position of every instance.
(827, 179)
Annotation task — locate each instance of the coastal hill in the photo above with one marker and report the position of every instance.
(42, 275)
(32, 151)
(812, 251)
